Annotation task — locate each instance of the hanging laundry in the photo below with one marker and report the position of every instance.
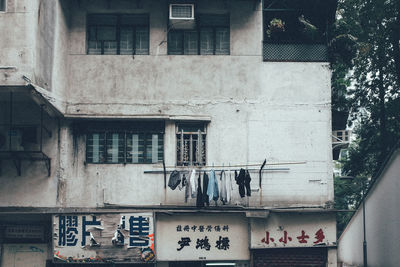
(240, 180)
(174, 180)
(206, 199)
(212, 190)
(216, 189)
(229, 188)
(199, 200)
(193, 186)
(187, 188)
(247, 180)
(223, 189)
(183, 183)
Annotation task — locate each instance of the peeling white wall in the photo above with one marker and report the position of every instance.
(258, 110)
(17, 42)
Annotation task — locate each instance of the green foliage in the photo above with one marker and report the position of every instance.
(348, 193)
(366, 81)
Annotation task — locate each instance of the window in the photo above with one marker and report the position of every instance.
(125, 143)
(2, 5)
(191, 144)
(118, 35)
(211, 37)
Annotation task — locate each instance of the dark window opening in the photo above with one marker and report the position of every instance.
(210, 37)
(296, 22)
(296, 30)
(2, 5)
(125, 142)
(118, 35)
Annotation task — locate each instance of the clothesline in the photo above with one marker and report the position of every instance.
(239, 165)
(217, 170)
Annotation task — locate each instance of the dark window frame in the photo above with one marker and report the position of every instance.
(119, 25)
(126, 130)
(3, 5)
(194, 156)
(198, 30)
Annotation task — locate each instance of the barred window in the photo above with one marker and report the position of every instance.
(212, 37)
(118, 35)
(125, 143)
(191, 144)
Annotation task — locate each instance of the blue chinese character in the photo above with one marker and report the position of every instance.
(138, 231)
(84, 232)
(61, 230)
(67, 230)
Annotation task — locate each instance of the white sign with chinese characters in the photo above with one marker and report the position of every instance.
(293, 230)
(202, 237)
(104, 237)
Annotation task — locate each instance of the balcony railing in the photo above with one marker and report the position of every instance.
(292, 52)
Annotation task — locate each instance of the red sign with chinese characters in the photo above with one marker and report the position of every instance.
(285, 238)
(293, 230)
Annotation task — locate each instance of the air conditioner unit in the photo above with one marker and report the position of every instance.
(181, 16)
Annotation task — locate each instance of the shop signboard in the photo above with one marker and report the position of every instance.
(103, 237)
(293, 230)
(202, 237)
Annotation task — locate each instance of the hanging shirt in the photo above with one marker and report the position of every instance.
(247, 180)
(240, 180)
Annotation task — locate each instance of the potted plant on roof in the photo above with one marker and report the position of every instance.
(276, 29)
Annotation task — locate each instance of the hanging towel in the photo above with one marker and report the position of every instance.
(199, 200)
(206, 199)
(174, 180)
(247, 180)
(216, 188)
(193, 187)
(223, 188)
(229, 188)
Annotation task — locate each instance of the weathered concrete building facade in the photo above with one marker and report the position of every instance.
(102, 100)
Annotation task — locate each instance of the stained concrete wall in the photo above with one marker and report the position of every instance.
(17, 42)
(382, 218)
(34, 187)
(34, 44)
(277, 111)
(258, 110)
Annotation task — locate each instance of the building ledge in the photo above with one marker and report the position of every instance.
(160, 208)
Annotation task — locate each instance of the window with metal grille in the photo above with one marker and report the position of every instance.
(118, 35)
(191, 144)
(122, 143)
(212, 37)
